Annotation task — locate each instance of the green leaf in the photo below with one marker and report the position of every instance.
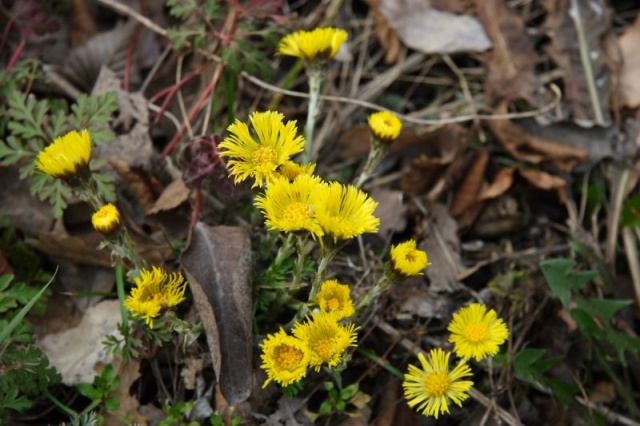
(112, 403)
(523, 363)
(181, 8)
(586, 323)
(6, 331)
(325, 408)
(348, 392)
(561, 280)
(606, 309)
(89, 391)
(630, 215)
(565, 392)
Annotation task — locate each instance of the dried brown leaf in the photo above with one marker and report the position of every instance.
(510, 64)
(429, 30)
(501, 183)
(545, 181)
(387, 36)
(173, 196)
(534, 149)
(630, 72)
(142, 185)
(467, 193)
(443, 248)
(218, 266)
(391, 211)
(128, 408)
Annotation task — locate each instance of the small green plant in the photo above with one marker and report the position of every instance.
(24, 370)
(177, 413)
(99, 392)
(33, 124)
(337, 399)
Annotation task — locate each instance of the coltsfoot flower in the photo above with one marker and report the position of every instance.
(335, 298)
(407, 260)
(326, 339)
(344, 211)
(260, 157)
(67, 156)
(429, 389)
(477, 332)
(291, 170)
(106, 219)
(155, 291)
(288, 206)
(285, 358)
(385, 126)
(320, 43)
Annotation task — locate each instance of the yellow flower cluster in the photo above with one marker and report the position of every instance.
(294, 199)
(320, 340)
(385, 126)
(67, 156)
(407, 260)
(320, 43)
(154, 292)
(475, 332)
(106, 219)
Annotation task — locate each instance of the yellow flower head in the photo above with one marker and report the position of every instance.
(320, 43)
(67, 156)
(407, 260)
(428, 389)
(106, 219)
(291, 170)
(326, 339)
(476, 332)
(344, 211)
(261, 157)
(385, 126)
(154, 291)
(285, 358)
(288, 206)
(335, 298)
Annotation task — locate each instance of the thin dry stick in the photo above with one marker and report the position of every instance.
(474, 393)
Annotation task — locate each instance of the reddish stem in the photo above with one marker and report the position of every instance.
(127, 62)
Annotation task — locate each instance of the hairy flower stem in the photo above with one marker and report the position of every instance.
(328, 252)
(301, 242)
(121, 297)
(315, 82)
(376, 153)
(374, 291)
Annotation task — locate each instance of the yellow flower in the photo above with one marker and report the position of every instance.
(106, 219)
(429, 388)
(284, 358)
(335, 298)
(326, 339)
(344, 211)
(276, 143)
(407, 260)
(288, 206)
(385, 126)
(320, 43)
(291, 170)
(154, 291)
(476, 332)
(67, 156)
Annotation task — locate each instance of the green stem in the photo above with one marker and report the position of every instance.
(60, 404)
(376, 153)
(121, 296)
(315, 82)
(374, 292)
(327, 254)
(301, 242)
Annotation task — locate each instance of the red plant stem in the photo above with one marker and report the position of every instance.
(5, 34)
(192, 113)
(127, 62)
(196, 210)
(16, 55)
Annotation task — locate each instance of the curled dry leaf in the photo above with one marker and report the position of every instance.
(218, 267)
(443, 246)
(534, 149)
(142, 185)
(387, 36)
(428, 30)
(545, 181)
(466, 194)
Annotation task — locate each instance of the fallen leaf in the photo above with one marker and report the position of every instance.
(218, 266)
(69, 248)
(76, 352)
(578, 30)
(545, 181)
(443, 248)
(175, 194)
(534, 149)
(142, 185)
(502, 181)
(466, 194)
(391, 210)
(428, 30)
(511, 63)
(630, 72)
(386, 35)
(128, 408)
(603, 392)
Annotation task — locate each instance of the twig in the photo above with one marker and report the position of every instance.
(126, 10)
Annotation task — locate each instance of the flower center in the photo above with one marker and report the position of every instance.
(477, 332)
(297, 211)
(411, 257)
(264, 155)
(323, 347)
(332, 304)
(436, 384)
(289, 357)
